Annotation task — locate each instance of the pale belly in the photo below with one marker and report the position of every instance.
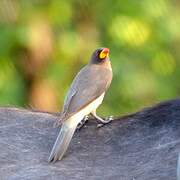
(76, 118)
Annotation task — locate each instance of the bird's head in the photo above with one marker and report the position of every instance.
(100, 55)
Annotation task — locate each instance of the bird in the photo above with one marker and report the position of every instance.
(84, 96)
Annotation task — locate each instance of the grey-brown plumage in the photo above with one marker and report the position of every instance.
(84, 96)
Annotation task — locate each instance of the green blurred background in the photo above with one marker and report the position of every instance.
(43, 44)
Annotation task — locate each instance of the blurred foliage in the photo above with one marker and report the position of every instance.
(43, 44)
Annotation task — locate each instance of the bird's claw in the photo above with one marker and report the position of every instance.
(107, 120)
(83, 122)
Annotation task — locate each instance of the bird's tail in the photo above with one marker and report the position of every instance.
(62, 142)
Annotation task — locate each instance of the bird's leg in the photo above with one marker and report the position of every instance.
(83, 122)
(103, 122)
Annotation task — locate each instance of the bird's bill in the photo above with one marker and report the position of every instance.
(104, 53)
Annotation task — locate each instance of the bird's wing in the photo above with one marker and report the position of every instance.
(88, 84)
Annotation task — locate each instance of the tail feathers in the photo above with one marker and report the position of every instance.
(62, 142)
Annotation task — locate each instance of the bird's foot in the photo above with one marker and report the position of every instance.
(83, 122)
(106, 121)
